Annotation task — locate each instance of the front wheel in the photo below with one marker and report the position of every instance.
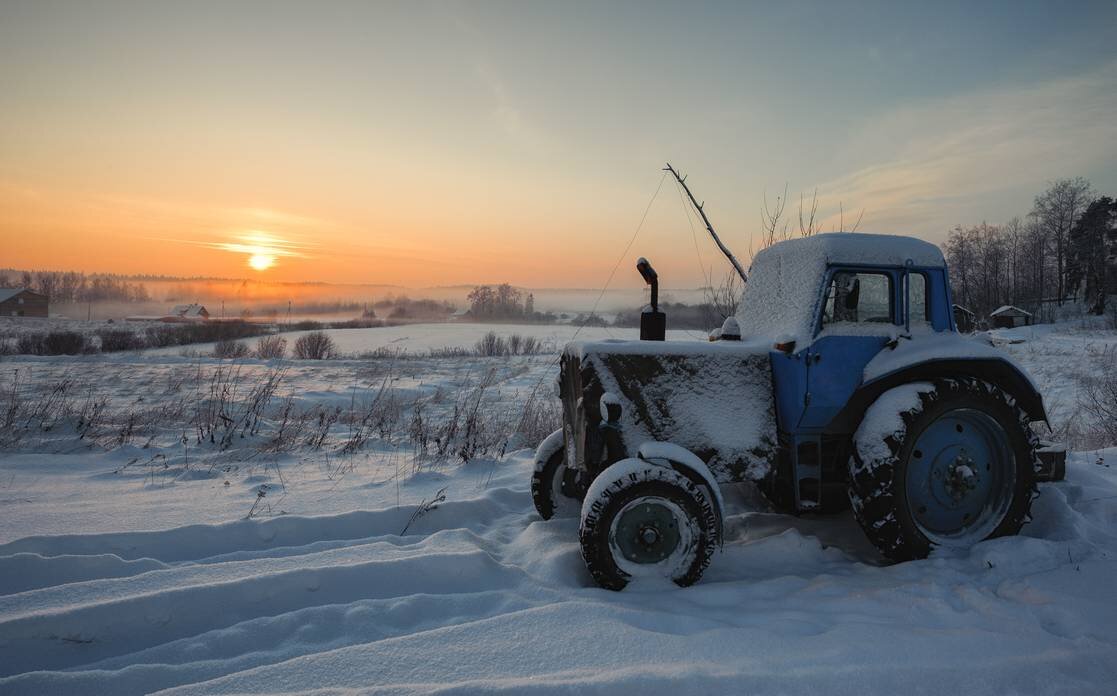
(945, 464)
(641, 520)
(547, 478)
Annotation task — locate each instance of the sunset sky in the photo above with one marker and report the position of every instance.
(437, 143)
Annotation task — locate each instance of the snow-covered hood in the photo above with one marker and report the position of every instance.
(714, 399)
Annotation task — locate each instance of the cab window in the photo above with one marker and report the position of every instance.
(856, 297)
(917, 285)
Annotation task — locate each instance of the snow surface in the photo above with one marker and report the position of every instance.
(120, 577)
(782, 295)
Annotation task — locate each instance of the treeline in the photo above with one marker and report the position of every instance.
(74, 286)
(1064, 251)
(504, 303)
(696, 317)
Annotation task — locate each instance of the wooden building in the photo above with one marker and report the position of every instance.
(21, 302)
(1009, 317)
(964, 319)
(188, 312)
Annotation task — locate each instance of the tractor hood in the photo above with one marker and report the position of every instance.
(714, 399)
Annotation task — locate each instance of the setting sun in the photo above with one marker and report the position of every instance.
(263, 248)
(261, 262)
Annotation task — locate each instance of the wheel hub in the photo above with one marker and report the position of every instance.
(647, 532)
(961, 476)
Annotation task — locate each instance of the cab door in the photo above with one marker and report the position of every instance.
(859, 316)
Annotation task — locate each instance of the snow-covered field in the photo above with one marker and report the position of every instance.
(419, 339)
(134, 559)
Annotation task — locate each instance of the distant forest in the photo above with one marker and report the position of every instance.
(1063, 252)
(73, 286)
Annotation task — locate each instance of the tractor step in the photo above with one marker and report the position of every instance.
(1052, 460)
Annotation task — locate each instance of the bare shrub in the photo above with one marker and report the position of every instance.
(450, 352)
(91, 415)
(325, 419)
(424, 507)
(271, 347)
(316, 345)
(490, 345)
(12, 404)
(113, 340)
(380, 416)
(383, 353)
(220, 415)
(30, 344)
(1098, 397)
(515, 344)
(229, 349)
(307, 325)
(65, 343)
(356, 324)
(540, 417)
(164, 335)
(531, 345)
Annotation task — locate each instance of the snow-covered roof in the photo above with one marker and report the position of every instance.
(6, 293)
(859, 248)
(1009, 309)
(784, 286)
(189, 310)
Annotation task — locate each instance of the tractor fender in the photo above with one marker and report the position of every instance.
(997, 371)
(688, 464)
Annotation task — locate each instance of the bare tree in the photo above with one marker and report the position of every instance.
(1056, 210)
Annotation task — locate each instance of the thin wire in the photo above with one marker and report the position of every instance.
(612, 273)
(694, 236)
(623, 254)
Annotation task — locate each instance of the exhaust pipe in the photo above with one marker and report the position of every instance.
(653, 323)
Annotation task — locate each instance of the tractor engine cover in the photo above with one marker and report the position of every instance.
(714, 399)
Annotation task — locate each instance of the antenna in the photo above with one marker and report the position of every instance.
(709, 228)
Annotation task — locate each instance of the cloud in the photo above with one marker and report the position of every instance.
(949, 161)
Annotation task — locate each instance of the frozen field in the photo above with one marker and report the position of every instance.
(366, 527)
(418, 339)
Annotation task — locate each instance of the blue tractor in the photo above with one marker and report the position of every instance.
(841, 381)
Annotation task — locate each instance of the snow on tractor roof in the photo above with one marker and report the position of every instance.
(784, 287)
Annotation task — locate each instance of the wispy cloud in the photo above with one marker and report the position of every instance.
(941, 163)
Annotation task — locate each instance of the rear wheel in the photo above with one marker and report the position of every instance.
(948, 464)
(642, 520)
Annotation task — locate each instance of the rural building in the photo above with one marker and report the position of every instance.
(188, 312)
(21, 302)
(964, 319)
(1008, 317)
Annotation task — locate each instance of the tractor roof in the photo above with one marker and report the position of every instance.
(855, 248)
(785, 281)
